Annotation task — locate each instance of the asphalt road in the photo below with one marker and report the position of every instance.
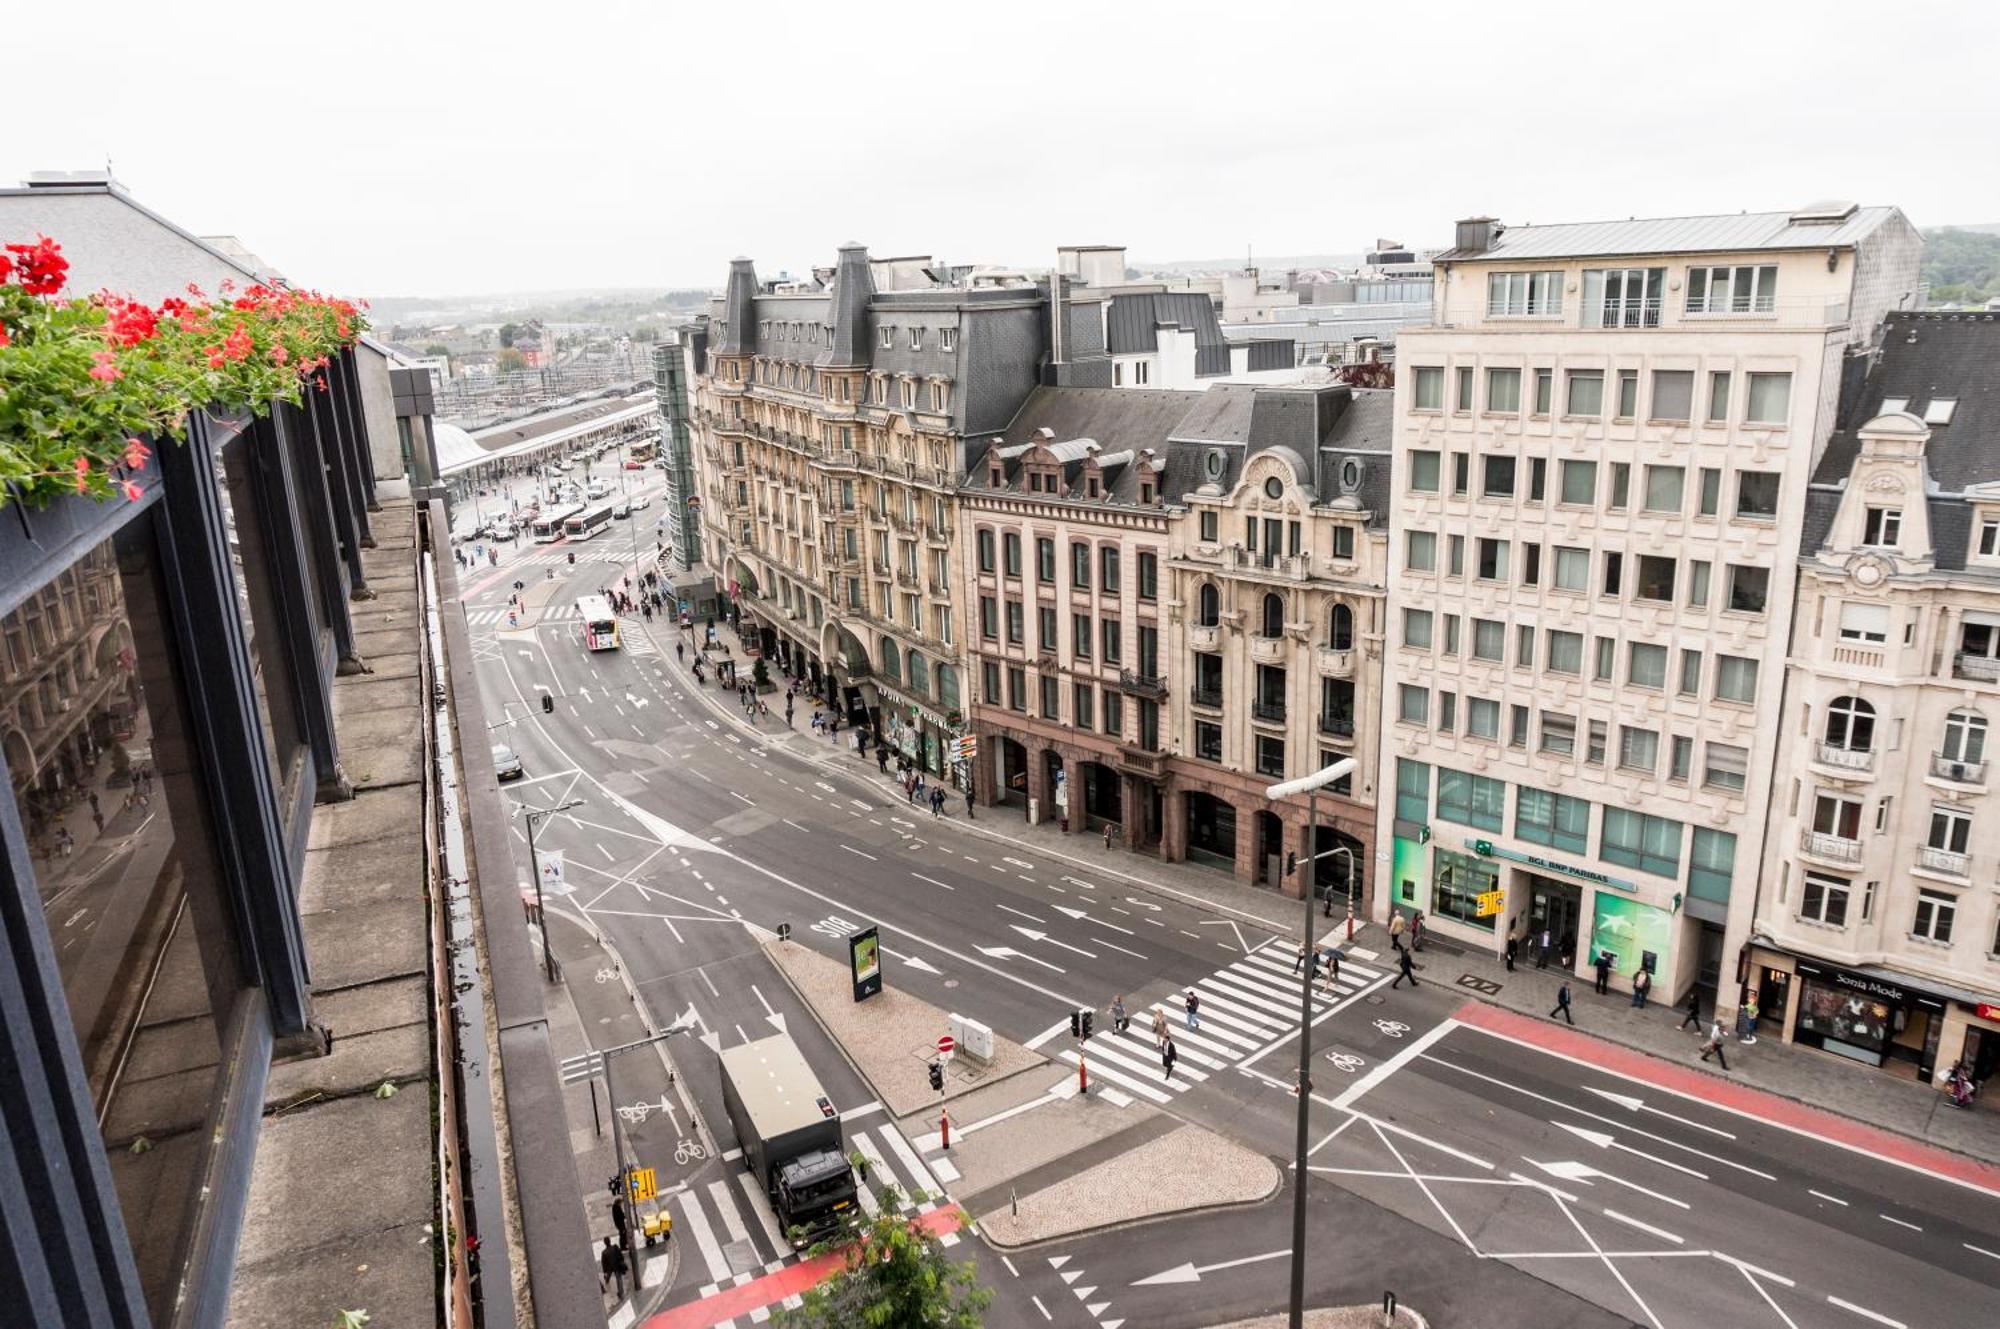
(1470, 1174)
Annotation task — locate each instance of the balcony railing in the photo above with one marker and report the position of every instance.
(1340, 726)
(1838, 848)
(1958, 772)
(1268, 710)
(1848, 759)
(1941, 860)
(1980, 668)
(1211, 697)
(1144, 685)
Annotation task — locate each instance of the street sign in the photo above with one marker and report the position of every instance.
(643, 1183)
(1483, 848)
(864, 958)
(1491, 902)
(968, 747)
(945, 1045)
(581, 1067)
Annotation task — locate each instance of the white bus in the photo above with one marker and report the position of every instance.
(600, 625)
(581, 525)
(548, 526)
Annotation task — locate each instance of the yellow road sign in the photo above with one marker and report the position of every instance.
(643, 1183)
(1491, 902)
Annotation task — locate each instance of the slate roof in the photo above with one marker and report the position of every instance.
(1733, 233)
(1135, 320)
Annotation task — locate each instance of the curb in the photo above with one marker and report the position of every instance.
(1143, 1220)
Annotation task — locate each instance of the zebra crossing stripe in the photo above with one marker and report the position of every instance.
(920, 1174)
(1247, 997)
(869, 1204)
(1131, 1061)
(1286, 990)
(1145, 1088)
(1220, 1030)
(1187, 1044)
(1234, 1025)
(704, 1237)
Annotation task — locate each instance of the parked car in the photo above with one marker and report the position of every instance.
(506, 765)
(622, 511)
(503, 530)
(634, 464)
(640, 502)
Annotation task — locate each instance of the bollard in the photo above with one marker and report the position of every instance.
(1388, 1308)
(1350, 918)
(1082, 1076)
(944, 1127)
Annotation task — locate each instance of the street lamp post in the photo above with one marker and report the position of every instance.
(1310, 786)
(535, 866)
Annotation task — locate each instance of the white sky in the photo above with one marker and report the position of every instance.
(442, 147)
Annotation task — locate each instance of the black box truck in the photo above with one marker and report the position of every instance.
(790, 1135)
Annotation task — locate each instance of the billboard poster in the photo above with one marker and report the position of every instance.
(1408, 874)
(864, 957)
(550, 864)
(1629, 930)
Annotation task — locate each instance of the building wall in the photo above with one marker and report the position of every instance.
(1660, 904)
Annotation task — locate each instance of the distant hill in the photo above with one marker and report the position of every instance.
(1962, 264)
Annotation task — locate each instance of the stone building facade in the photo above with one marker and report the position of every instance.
(1877, 934)
(1603, 446)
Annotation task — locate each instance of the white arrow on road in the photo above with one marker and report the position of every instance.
(1192, 1272)
(1631, 1103)
(1606, 1140)
(1033, 935)
(916, 962)
(1143, 904)
(585, 694)
(1009, 953)
(638, 703)
(1569, 1170)
(1084, 916)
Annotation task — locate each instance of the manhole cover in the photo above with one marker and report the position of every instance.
(1376, 999)
(742, 1257)
(1478, 984)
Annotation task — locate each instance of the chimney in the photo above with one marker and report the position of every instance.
(1477, 234)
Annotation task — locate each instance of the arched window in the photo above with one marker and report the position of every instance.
(1274, 616)
(1850, 724)
(892, 662)
(920, 673)
(1340, 631)
(947, 686)
(1965, 737)
(1208, 605)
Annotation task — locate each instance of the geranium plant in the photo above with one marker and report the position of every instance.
(84, 382)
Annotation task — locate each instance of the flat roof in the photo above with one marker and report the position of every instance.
(778, 1089)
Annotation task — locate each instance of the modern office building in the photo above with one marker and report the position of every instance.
(1603, 446)
(1877, 930)
(236, 726)
(681, 522)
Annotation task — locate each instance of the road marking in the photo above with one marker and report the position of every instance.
(1384, 1070)
(704, 1237)
(872, 1105)
(1084, 916)
(1045, 1035)
(760, 1205)
(1831, 1199)
(1749, 1269)
(703, 971)
(1038, 1306)
(1019, 863)
(1865, 1313)
(1191, 1272)
(1899, 1222)
(1616, 1272)
(1659, 1232)
(1032, 935)
(1009, 953)
(735, 795)
(794, 825)
(1632, 1103)
(1112, 945)
(718, 1191)
(1980, 1250)
(933, 881)
(698, 775)
(1605, 1140)
(852, 850)
(637, 730)
(1019, 913)
(875, 1161)
(609, 856)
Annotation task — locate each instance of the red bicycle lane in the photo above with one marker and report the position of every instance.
(1771, 1109)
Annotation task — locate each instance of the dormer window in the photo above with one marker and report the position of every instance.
(909, 393)
(1939, 411)
(916, 339)
(995, 477)
(947, 339)
(1882, 528)
(1091, 488)
(1989, 537)
(1146, 492)
(887, 339)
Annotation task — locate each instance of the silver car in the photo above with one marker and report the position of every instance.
(506, 765)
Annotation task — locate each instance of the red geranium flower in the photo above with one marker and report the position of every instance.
(132, 491)
(106, 369)
(42, 265)
(82, 472)
(237, 344)
(136, 453)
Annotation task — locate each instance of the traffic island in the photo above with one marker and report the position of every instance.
(892, 1037)
(1338, 1317)
(1147, 1181)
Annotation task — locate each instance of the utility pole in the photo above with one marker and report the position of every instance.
(535, 866)
(1310, 786)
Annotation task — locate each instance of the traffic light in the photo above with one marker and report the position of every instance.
(1291, 863)
(548, 704)
(1076, 1024)
(1086, 1024)
(937, 1076)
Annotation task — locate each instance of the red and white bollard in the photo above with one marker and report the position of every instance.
(1350, 918)
(944, 1127)
(1082, 1074)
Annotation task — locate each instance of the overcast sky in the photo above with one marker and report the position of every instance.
(441, 147)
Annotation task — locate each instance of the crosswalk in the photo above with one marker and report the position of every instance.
(730, 1234)
(479, 618)
(1243, 1007)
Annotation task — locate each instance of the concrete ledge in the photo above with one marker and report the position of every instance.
(1336, 1317)
(1151, 1181)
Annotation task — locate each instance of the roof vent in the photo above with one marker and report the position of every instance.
(1824, 213)
(70, 179)
(1477, 234)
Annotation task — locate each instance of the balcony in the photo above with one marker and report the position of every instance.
(907, 577)
(1268, 650)
(1943, 862)
(1335, 664)
(1274, 567)
(1143, 685)
(1339, 726)
(1204, 638)
(1272, 712)
(1209, 697)
(1953, 771)
(1639, 313)
(1978, 668)
(1832, 848)
(1858, 760)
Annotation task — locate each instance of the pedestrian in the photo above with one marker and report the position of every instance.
(1404, 969)
(622, 1220)
(1107, 836)
(1417, 931)
(1693, 1010)
(1511, 943)
(1603, 972)
(1542, 950)
(937, 801)
(1713, 1047)
(1118, 1021)
(1562, 1003)
(881, 759)
(1748, 1015)
(1193, 1010)
(1333, 957)
(788, 712)
(611, 1266)
(1396, 926)
(968, 802)
(680, 652)
(97, 817)
(1300, 963)
(1642, 983)
(1169, 1054)
(910, 783)
(1159, 1027)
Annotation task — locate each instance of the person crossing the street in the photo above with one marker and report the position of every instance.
(612, 1267)
(1119, 1023)
(1159, 1027)
(1169, 1054)
(1193, 1010)
(1404, 969)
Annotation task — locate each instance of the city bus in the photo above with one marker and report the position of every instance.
(583, 524)
(600, 625)
(548, 527)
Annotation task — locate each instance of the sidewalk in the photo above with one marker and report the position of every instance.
(1788, 1070)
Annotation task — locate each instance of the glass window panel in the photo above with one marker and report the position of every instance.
(257, 608)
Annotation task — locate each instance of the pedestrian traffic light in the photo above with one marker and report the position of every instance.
(1076, 1024)
(937, 1076)
(1086, 1024)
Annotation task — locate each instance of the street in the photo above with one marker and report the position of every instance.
(1485, 1168)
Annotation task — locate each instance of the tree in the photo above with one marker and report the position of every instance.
(760, 674)
(508, 331)
(896, 1276)
(1368, 374)
(437, 348)
(510, 361)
